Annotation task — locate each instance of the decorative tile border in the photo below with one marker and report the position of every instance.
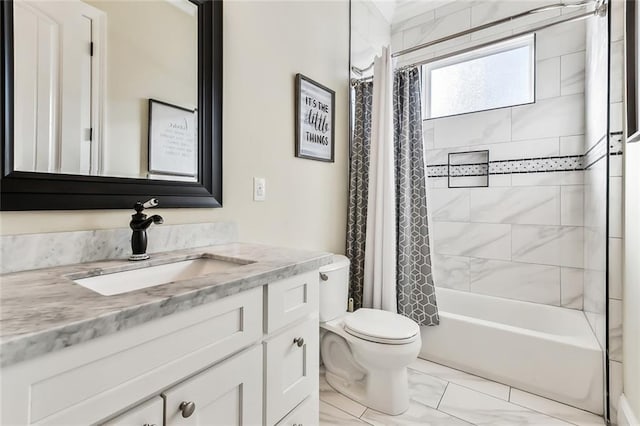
(536, 165)
(456, 170)
(501, 167)
(615, 143)
(438, 170)
(533, 165)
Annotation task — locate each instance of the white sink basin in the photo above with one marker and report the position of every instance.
(136, 279)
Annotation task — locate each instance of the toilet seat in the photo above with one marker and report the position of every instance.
(381, 327)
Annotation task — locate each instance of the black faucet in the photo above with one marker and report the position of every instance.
(139, 224)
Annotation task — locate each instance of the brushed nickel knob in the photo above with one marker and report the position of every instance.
(187, 408)
(323, 276)
(299, 341)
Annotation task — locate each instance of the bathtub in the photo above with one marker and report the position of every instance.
(545, 350)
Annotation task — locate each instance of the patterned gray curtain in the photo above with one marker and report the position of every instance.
(416, 292)
(359, 189)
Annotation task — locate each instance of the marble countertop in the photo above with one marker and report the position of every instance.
(43, 310)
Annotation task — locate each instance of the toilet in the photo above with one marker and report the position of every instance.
(366, 352)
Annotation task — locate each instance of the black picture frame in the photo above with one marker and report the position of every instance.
(151, 143)
(632, 66)
(47, 191)
(300, 151)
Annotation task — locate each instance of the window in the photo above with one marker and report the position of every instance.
(497, 76)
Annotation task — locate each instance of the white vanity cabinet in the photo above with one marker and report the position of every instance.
(244, 359)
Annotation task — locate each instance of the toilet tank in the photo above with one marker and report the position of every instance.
(334, 289)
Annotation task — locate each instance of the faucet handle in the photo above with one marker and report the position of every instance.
(150, 203)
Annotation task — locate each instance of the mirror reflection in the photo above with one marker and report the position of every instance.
(106, 88)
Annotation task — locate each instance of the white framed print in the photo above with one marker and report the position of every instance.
(173, 140)
(315, 116)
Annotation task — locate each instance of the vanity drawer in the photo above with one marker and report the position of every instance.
(148, 413)
(229, 393)
(104, 375)
(291, 299)
(292, 369)
(305, 414)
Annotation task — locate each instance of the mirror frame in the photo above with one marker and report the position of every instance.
(49, 191)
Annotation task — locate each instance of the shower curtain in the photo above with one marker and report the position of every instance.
(380, 242)
(359, 189)
(415, 290)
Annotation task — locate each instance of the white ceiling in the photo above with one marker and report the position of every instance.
(386, 7)
(395, 11)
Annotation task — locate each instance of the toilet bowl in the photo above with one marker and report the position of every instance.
(365, 353)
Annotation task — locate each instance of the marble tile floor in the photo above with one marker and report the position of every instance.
(442, 396)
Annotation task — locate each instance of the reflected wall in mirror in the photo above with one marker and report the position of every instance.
(87, 125)
(85, 72)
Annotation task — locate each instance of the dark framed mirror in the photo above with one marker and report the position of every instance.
(27, 189)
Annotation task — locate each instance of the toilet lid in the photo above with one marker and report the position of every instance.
(381, 326)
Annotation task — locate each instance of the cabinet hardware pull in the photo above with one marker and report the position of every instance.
(323, 276)
(187, 408)
(147, 424)
(299, 341)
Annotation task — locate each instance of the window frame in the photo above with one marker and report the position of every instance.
(528, 40)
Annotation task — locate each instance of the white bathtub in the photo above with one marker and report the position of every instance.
(546, 350)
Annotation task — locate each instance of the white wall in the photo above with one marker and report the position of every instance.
(265, 45)
(631, 286)
(631, 270)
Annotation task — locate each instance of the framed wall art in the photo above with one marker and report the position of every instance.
(315, 114)
(173, 148)
(632, 13)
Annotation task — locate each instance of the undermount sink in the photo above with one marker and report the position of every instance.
(150, 276)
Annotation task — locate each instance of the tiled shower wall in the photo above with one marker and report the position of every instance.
(522, 237)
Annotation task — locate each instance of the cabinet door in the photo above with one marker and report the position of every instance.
(149, 413)
(229, 393)
(292, 369)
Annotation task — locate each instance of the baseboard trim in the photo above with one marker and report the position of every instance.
(626, 416)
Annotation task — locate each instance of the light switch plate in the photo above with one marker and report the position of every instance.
(259, 189)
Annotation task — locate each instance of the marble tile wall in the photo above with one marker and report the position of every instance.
(34, 251)
(522, 237)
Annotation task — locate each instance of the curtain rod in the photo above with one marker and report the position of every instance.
(356, 81)
(499, 40)
(600, 10)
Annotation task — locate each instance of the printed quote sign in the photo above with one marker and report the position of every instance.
(173, 133)
(314, 120)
